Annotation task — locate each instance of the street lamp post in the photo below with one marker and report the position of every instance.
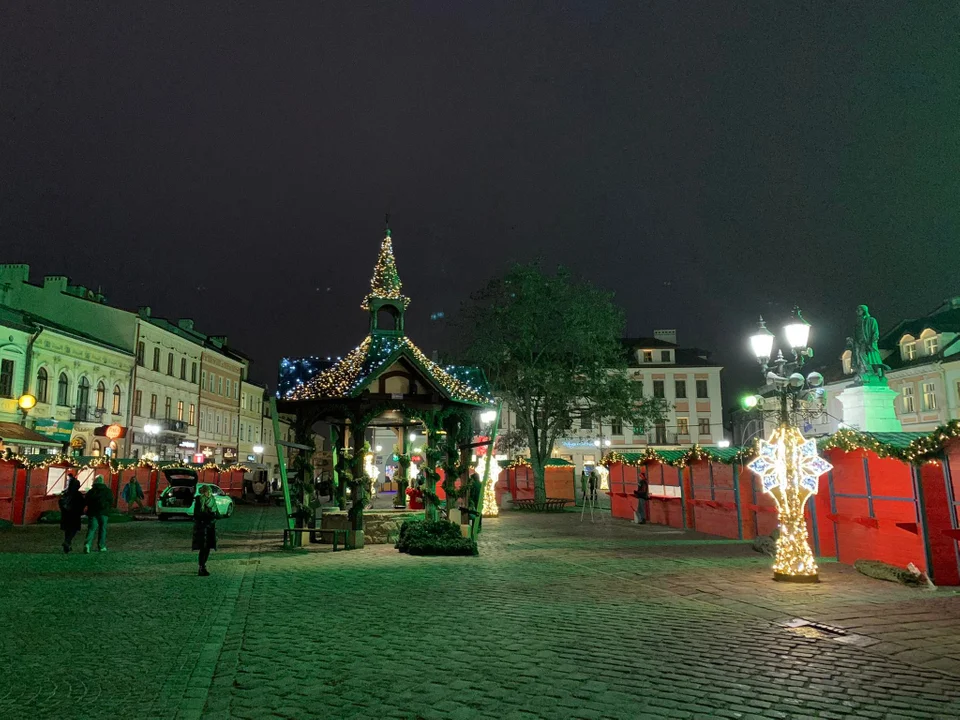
(788, 465)
(152, 430)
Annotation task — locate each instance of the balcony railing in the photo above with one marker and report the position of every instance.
(86, 413)
(173, 426)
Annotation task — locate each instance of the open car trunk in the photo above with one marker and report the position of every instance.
(183, 487)
(179, 497)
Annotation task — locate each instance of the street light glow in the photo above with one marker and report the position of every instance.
(762, 342)
(488, 416)
(723, 444)
(379, 448)
(26, 401)
(258, 449)
(797, 331)
(151, 429)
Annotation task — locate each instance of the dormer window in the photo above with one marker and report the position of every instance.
(931, 342)
(664, 356)
(909, 350)
(648, 356)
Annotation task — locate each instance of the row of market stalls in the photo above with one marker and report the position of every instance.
(31, 485)
(893, 497)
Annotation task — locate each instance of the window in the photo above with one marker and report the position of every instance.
(83, 394)
(170, 364)
(218, 422)
(658, 388)
(909, 351)
(931, 345)
(640, 387)
(193, 373)
(203, 380)
(586, 423)
(702, 389)
(220, 385)
(616, 427)
(682, 426)
(6, 378)
(660, 430)
(235, 420)
(138, 402)
(166, 408)
(153, 406)
(648, 356)
(42, 385)
(228, 388)
(156, 359)
(680, 386)
(191, 417)
(929, 396)
(664, 356)
(101, 396)
(703, 426)
(203, 420)
(183, 368)
(62, 388)
(140, 349)
(908, 406)
(116, 399)
(180, 410)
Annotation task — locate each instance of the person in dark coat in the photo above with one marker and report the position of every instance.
(99, 501)
(205, 514)
(642, 494)
(71, 510)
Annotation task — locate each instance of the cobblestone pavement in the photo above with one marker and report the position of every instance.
(555, 619)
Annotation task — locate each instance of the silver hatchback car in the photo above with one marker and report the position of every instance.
(178, 499)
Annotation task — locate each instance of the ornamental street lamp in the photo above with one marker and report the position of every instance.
(26, 403)
(788, 465)
(152, 430)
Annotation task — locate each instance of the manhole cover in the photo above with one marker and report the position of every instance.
(822, 631)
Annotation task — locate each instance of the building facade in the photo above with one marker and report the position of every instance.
(220, 376)
(684, 377)
(81, 386)
(166, 390)
(251, 423)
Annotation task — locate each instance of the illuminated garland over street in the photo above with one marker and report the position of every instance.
(681, 458)
(108, 464)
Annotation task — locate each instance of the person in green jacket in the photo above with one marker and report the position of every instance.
(133, 494)
(205, 514)
(99, 501)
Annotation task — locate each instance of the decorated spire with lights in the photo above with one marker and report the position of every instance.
(385, 283)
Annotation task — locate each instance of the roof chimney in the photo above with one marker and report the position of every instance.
(185, 324)
(669, 336)
(57, 283)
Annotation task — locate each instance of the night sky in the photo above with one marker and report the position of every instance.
(708, 161)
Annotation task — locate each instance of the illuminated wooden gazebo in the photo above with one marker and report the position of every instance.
(387, 381)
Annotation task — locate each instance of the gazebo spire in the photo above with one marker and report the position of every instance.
(385, 283)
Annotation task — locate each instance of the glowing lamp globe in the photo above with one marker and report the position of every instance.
(258, 449)
(749, 402)
(798, 331)
(26, 401)
(796, 380)
(815, 379)
(488, 416)
(762, 342)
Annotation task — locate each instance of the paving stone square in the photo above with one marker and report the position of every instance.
(557, 618)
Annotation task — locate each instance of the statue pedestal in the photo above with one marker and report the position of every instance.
(869, 408)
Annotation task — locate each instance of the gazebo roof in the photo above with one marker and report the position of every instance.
(349, 377)
(381, 349)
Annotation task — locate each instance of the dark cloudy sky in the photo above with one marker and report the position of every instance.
(708, 161)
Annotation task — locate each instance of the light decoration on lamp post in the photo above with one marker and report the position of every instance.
(788, 465)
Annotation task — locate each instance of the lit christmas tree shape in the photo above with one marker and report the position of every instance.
(789, 470)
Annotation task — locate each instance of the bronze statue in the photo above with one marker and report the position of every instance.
(866, 359)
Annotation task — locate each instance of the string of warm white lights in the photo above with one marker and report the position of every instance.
(385, 283)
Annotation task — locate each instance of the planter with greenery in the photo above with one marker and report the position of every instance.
(434, 537)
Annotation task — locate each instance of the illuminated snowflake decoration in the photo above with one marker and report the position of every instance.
(771, 464)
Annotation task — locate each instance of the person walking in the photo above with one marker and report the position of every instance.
(71, 511)
(205, 514)
(133, 494)
(99, 501)
(642, 494)
(593, 486)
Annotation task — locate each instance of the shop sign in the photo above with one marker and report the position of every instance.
(199, 458)
(188, 444)
(229, 453)
(59, 430)
(251, 458)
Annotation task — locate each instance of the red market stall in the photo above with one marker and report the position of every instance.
(559, 480)
(891, 497)
(714, 495)
(665, 506)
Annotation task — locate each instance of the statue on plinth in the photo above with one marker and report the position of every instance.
(866, 359)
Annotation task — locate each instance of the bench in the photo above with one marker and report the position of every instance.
(337, 535)
(548, 505)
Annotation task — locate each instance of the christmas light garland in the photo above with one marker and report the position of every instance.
(385, 283)
(109, 464)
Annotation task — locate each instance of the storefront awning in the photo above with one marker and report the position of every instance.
(16, 434)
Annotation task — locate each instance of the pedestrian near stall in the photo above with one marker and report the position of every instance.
(133, 494)
(99, 501)
(642, 494)
(205, 514)
(71, 511)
